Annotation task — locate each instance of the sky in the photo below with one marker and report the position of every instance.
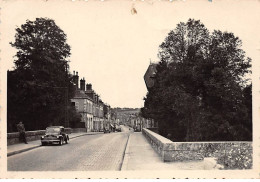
(112, 48)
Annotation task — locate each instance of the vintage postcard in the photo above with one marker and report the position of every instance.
(129, 89)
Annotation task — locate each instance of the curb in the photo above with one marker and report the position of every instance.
(37, 146)
(126, 155)
(23, 150)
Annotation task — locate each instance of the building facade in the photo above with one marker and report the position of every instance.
(140, 122)
(83, 105)
(88, 104)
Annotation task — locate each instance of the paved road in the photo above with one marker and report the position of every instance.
(90, 152)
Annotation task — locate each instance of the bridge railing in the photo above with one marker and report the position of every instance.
(231, 154)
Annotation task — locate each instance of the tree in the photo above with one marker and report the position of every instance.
(38, 84)
(198, 92)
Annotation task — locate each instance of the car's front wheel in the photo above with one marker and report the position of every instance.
(61, 141)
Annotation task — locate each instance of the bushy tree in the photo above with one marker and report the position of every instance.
(200, 90)
(39, 87)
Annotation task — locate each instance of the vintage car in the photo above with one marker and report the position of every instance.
(118, 128)
(106, 129)
(137, 128)
(55, 134)
(112, 127)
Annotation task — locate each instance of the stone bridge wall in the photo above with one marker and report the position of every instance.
(78, 130)
(155, 129)
(13, 138)
(231, 154)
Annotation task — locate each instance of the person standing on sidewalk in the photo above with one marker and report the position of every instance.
(21, 130)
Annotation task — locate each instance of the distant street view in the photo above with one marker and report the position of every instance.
(197, 112)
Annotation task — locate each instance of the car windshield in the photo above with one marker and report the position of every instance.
(52, 130)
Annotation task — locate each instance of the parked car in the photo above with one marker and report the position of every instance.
(118, 128)
(137, 128)
(106, 129)
(55, 134)
(113, 127)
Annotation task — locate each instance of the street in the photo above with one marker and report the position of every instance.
(90, 152)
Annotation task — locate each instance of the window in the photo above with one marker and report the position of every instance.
(53, 130)
(77, 105)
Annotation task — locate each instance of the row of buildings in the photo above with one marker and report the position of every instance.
(132, 118)
(138, 123)
(95, 114)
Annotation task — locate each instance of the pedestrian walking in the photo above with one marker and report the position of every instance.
(21, 130)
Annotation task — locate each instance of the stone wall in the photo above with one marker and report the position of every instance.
(13, 138)
(230, 154)
(154, 129)
(78, 130)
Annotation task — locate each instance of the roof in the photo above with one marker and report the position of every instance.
(149, 75)
(80, 94)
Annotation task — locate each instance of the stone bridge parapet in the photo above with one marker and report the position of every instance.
(231, 154)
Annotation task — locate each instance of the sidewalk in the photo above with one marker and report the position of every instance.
(140, 155)
(21, 147)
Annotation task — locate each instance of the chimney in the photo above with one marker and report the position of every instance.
(82, 84)
(75, 79)
(97, 99)
(89, 86)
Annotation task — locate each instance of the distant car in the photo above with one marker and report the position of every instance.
(106, 129)
(137, 128)
(55, 134)
(118, 128)
(113, 127)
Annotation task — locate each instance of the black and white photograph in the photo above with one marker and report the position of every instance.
(130, 89)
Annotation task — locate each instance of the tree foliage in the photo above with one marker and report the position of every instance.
(38, 84)
(200, 91)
